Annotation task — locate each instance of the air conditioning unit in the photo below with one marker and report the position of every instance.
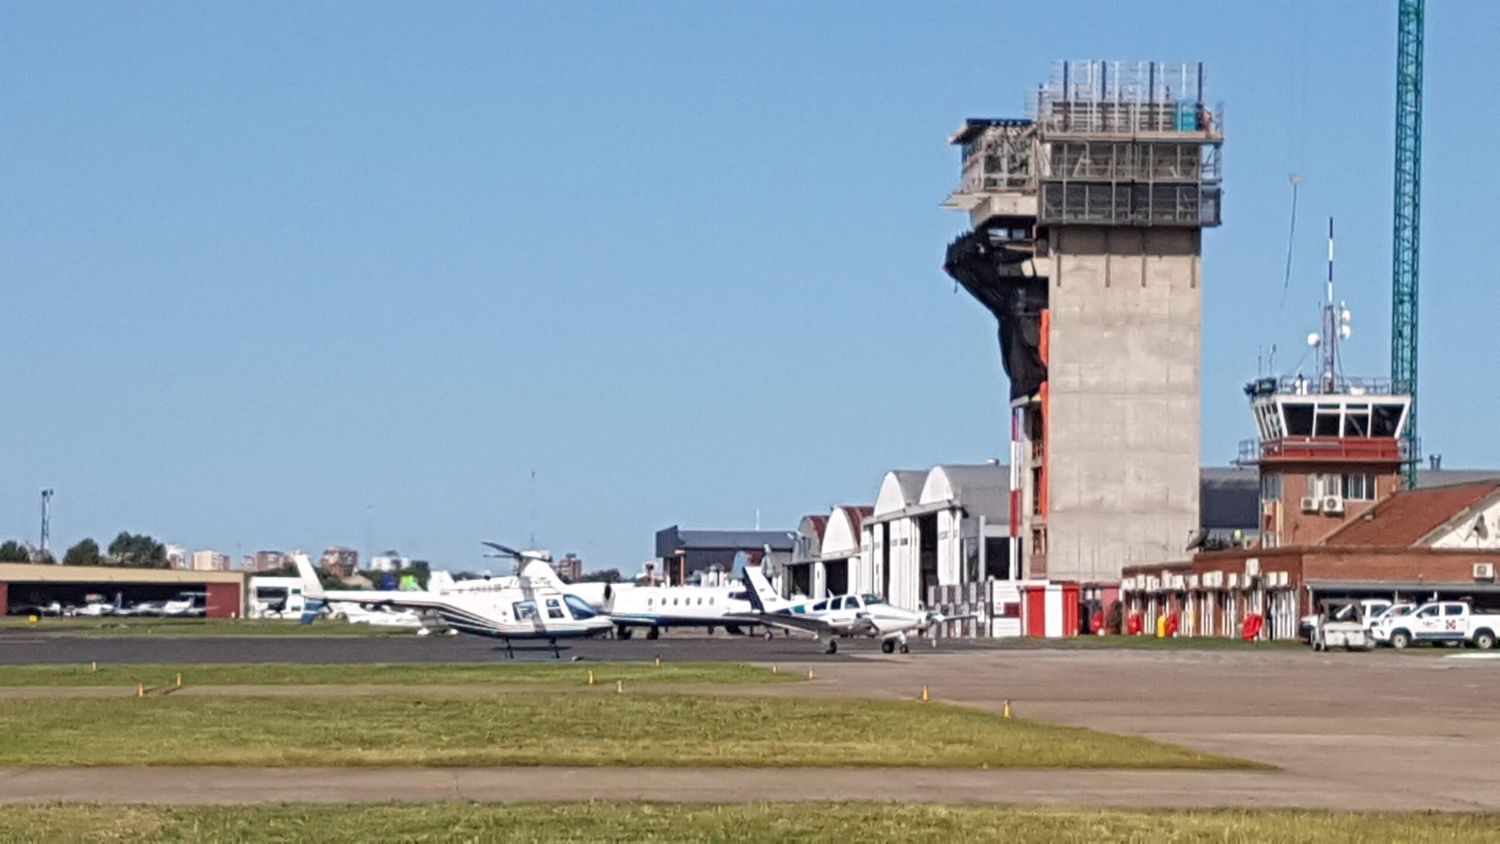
(1192, 581)
(1333, 504)
(1213, 580)
(1309, 505)
(1179, 582)
(1252, 566)
(1234, 580)
(1484, 571)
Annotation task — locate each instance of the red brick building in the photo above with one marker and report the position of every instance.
(1413, 545)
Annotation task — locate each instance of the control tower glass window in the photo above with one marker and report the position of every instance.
(1299, 419)
(1386, 420)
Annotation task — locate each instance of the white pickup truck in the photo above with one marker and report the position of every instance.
(1440, 621)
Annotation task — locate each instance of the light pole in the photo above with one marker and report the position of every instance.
(46, 520)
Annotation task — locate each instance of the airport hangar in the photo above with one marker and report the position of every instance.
(23, 584)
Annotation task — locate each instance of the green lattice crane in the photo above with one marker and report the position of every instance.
(1406, 241)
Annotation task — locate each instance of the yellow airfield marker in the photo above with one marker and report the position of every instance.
(1005, 713)
(140, 689)
(179, 679)
(658, 662)
(94, 668)
(592, 681)
(811, 675)
(619, 687)
(774, 669)
(926, 695)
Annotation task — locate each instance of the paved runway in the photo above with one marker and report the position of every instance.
(1376, 730)
(27, 648)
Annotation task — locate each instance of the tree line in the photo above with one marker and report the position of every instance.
(128, 550)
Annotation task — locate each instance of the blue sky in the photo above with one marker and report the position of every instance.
(299, 274)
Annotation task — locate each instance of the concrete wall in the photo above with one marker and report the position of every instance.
(1124, 374)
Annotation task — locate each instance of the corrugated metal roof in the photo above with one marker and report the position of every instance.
(1229, 499)
(736, 539)
(1406, 517)
(819, 524)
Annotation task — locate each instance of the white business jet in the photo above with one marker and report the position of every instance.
(535, 609)
(831, 619)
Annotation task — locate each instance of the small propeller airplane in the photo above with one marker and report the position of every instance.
(838, 617)
(536, 607)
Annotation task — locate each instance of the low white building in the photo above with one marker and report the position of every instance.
(948, 526)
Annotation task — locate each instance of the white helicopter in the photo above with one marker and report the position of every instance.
(535, 608)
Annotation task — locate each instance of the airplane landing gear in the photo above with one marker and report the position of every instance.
(901, 643)
(888, 646)
(556, 654)
(653, 633)
(769, 635)
(832, 647)
(622, 632)
(509, 653)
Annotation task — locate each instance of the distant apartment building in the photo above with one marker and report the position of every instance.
(389, 562)
(569, 568)
(210, 560)
(262, 561)
(177, 558)
(340, 561)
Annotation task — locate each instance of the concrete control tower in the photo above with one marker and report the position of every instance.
(1086, 244)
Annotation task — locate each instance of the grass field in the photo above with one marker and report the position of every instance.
(775, 822)
(196, 627)
(599, 728)
(405, 674)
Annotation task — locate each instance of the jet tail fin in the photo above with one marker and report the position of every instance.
(312, 587)
(762, 597)
(439, 580)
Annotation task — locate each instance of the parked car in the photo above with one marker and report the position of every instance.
(1453, 622)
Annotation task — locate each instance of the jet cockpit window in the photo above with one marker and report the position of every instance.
(554, 609)
(524, 610)
(579, 607)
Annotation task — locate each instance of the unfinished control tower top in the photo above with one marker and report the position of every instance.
(1102, 143)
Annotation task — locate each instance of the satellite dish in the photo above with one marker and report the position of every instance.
(1345, 330)
(1314, 340)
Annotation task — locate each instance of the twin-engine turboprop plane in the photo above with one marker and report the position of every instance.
(535, 608)
(843, 616)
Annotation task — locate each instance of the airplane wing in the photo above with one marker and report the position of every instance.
(791, 621)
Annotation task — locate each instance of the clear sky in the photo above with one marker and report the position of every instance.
(298, 274)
